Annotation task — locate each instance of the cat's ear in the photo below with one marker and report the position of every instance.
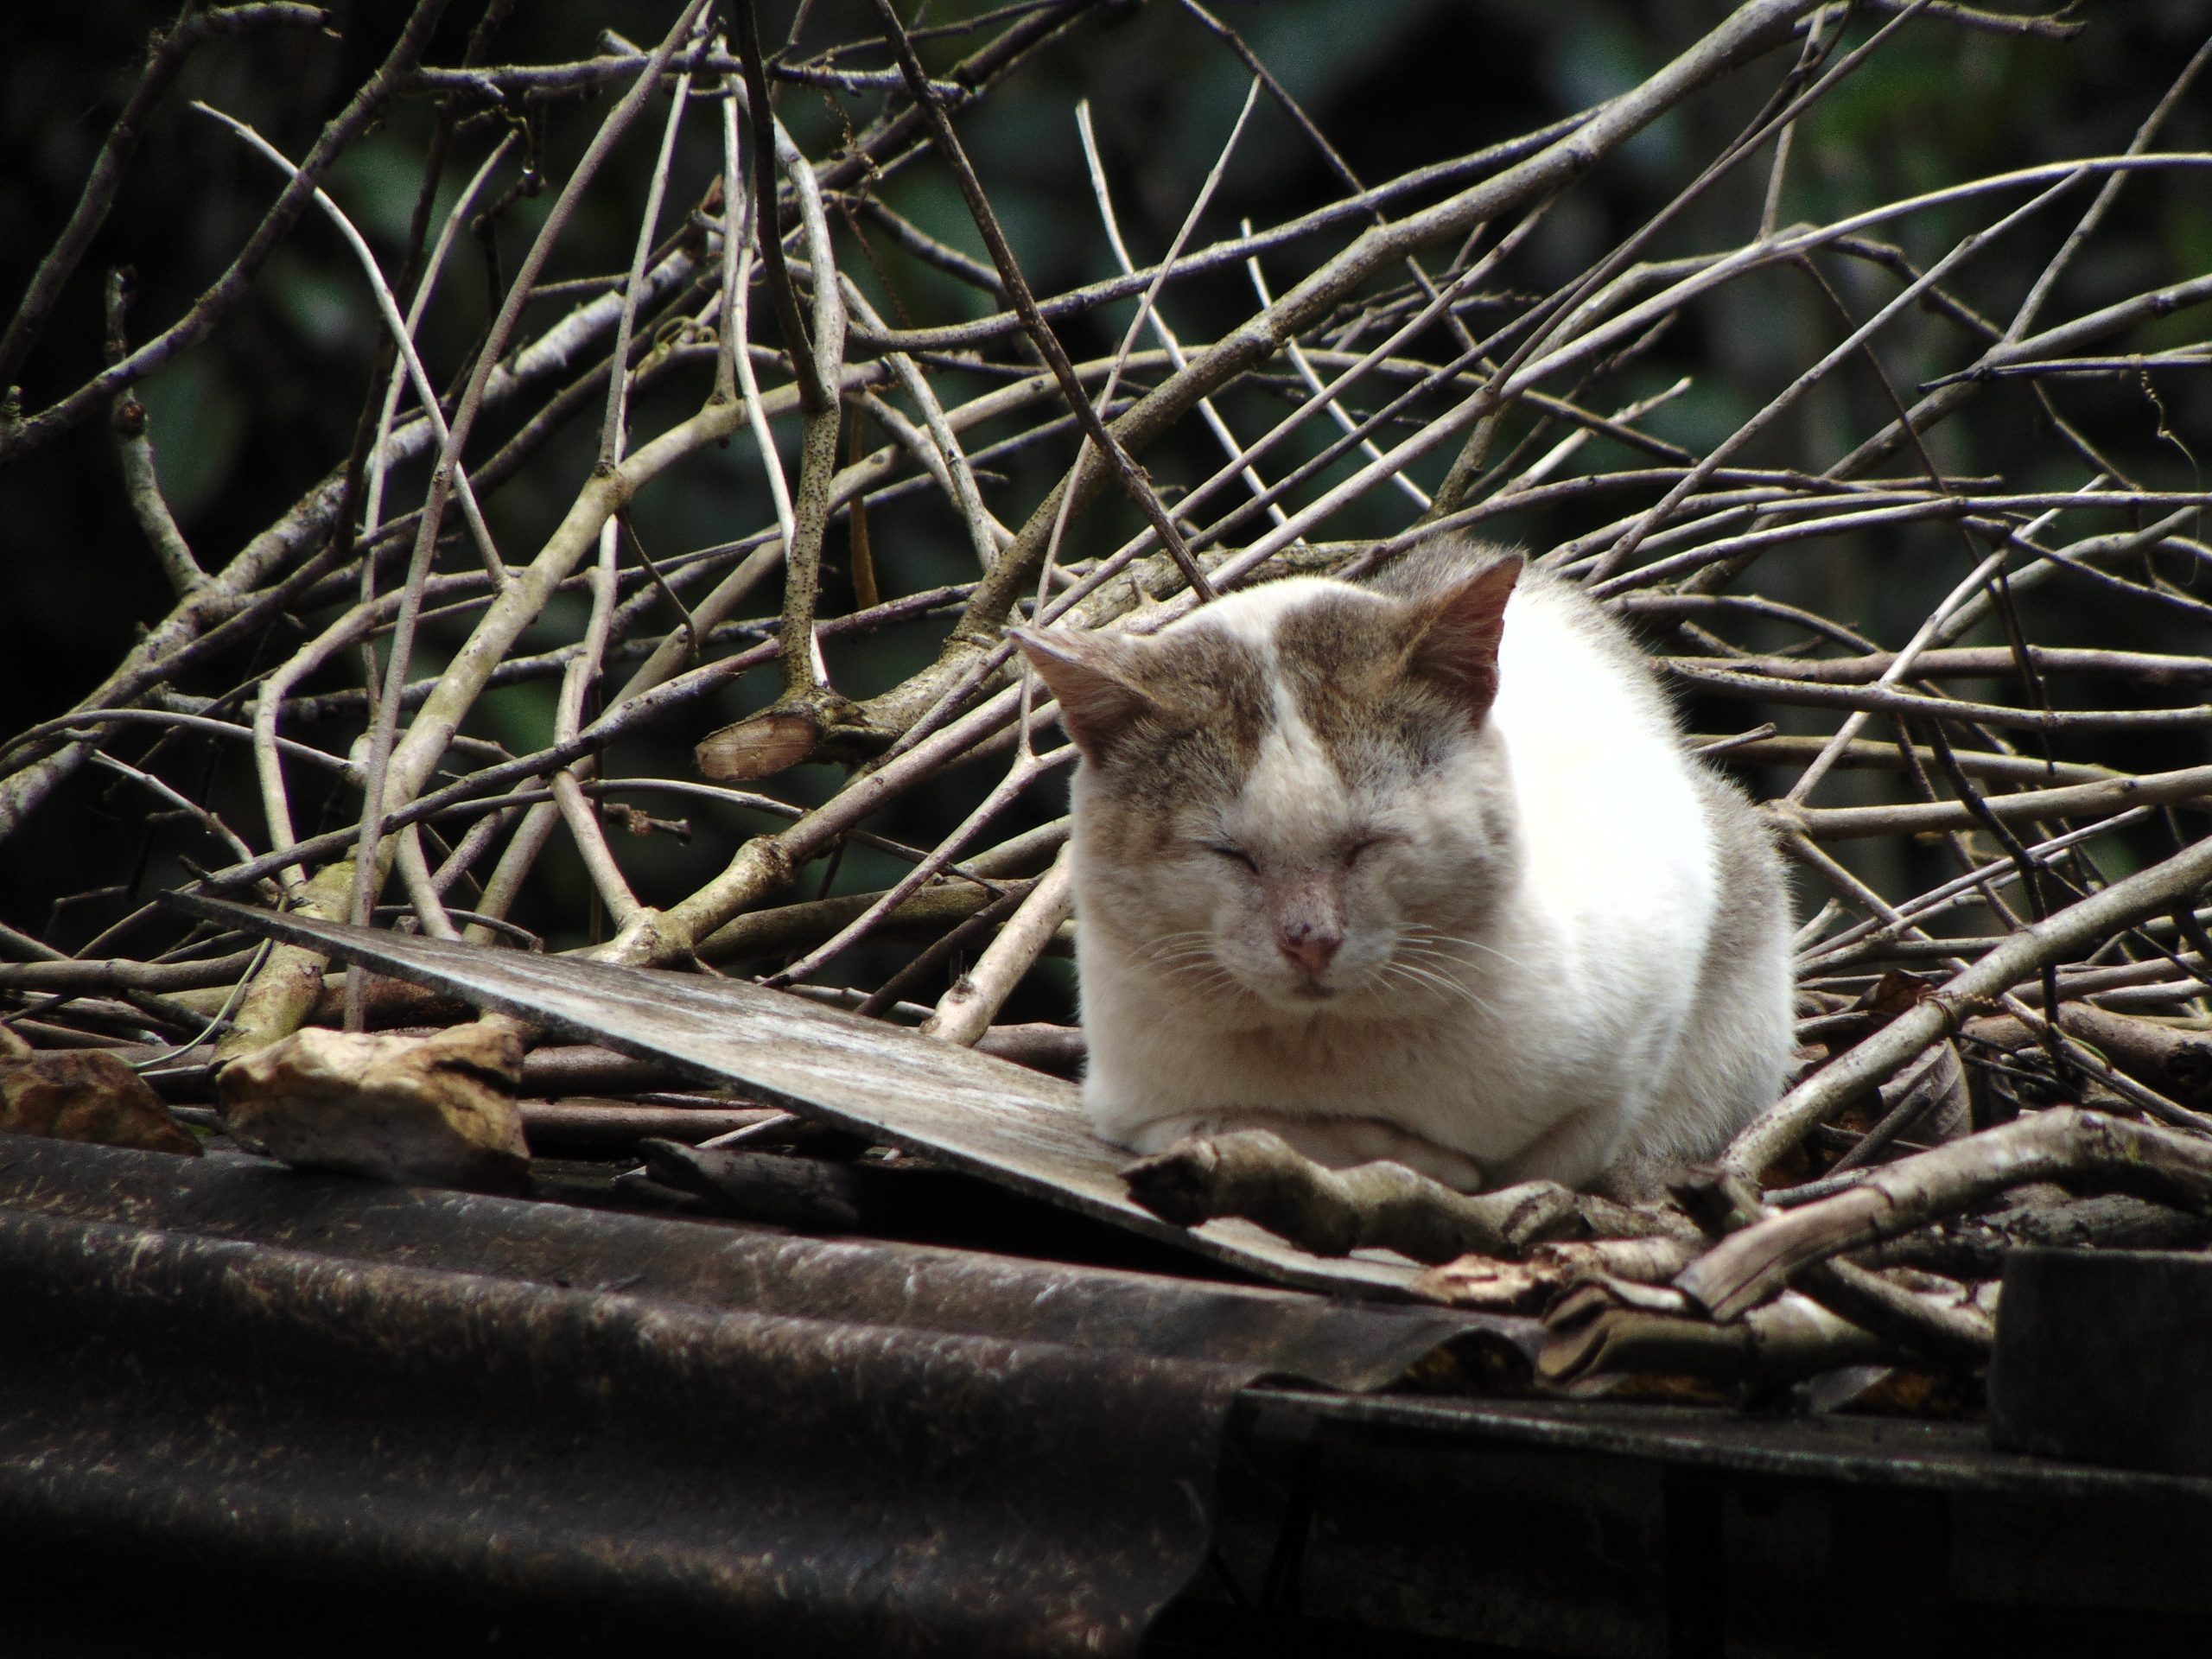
(1089, 674)
(1455, 634)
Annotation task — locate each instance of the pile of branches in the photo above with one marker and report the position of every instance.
(2005, 959)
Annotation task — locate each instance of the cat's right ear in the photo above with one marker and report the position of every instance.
(1088, 675)
(1456, 634)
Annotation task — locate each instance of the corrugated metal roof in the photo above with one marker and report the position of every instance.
(581, 1416)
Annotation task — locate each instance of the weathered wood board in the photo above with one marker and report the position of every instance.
(1020, 1128)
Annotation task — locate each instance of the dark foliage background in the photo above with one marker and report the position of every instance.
(248, 420)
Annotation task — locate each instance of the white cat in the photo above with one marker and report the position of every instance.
(1420, 871)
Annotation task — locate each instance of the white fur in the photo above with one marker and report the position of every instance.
(1523, 955)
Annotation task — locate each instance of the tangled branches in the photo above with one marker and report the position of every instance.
(1924, 614)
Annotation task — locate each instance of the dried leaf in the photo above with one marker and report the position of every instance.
(436, 1111)
(1936, 1083)
(1897, 991)
(1485, 1282)
(82, 1094)
(759, 747)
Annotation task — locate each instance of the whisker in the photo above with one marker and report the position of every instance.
(1409, 973)
(1422, 933)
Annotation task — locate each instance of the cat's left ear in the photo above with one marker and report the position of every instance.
(1098, 698)
(1455, 634)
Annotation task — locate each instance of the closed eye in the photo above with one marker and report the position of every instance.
(1231, 851)
(1359, 846)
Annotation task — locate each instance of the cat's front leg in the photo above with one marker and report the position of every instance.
(1335, 1143)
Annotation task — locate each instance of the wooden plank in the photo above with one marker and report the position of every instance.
(1020, 1128)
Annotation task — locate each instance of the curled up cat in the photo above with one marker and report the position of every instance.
(1419, 870)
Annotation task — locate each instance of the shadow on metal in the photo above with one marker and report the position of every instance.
(318, 1412)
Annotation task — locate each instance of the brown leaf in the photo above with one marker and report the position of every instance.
(1897, 991)
(81, 1094)
(1936, 1085)
(1485, 1282)
(436, 1111)
(759, 747)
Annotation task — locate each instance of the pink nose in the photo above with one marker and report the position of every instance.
(1309, 952)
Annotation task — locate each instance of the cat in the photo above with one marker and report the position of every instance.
(1417, 870)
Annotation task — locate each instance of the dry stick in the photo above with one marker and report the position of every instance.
(1103, 196)
(1343, 169)
(1939, 404)
(1900, 664)
(2052, 25)
(1849, 346)
(1593, 292)
(236, 604)
(1069, 490)
(1950, 894)
(23, 792)
(965, 1012)
(1304, 365)
(1733, 553)
(2064, 1143)
(1622, 419)
(186, 721)
(1026, 769)
(473, 845)
(767, 863)
(736, 255)
(1326, 399)
(166, 50)
(401, 329)
(591, 74)
(111, 974)
(819, 374)
(2065, 1054)
(638, 701)
(471, 669)
(21, 437)
(960, 679)
(403, 371)
(1361, 204)
(958, 936)
(421, 887)
(192, 809)
(2148, 892)
(1495, 395)
(2040, 291)
(1812, 694)
(1256, 1174)
(583, 670)
(1117, 460)
(576, 812)
(1786, 134)
(276, 806)
(814, 395)
(1986, 662)
(1796, 244)
(1557, 317)
(614, 429)
(1953, 1335)
(941, 452)
(427, 736)
(142, 483)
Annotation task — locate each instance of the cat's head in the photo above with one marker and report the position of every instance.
(1292, 797)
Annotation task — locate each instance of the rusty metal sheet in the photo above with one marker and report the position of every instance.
(573, 1426)
(1002, 1121)
(1342, 1344)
